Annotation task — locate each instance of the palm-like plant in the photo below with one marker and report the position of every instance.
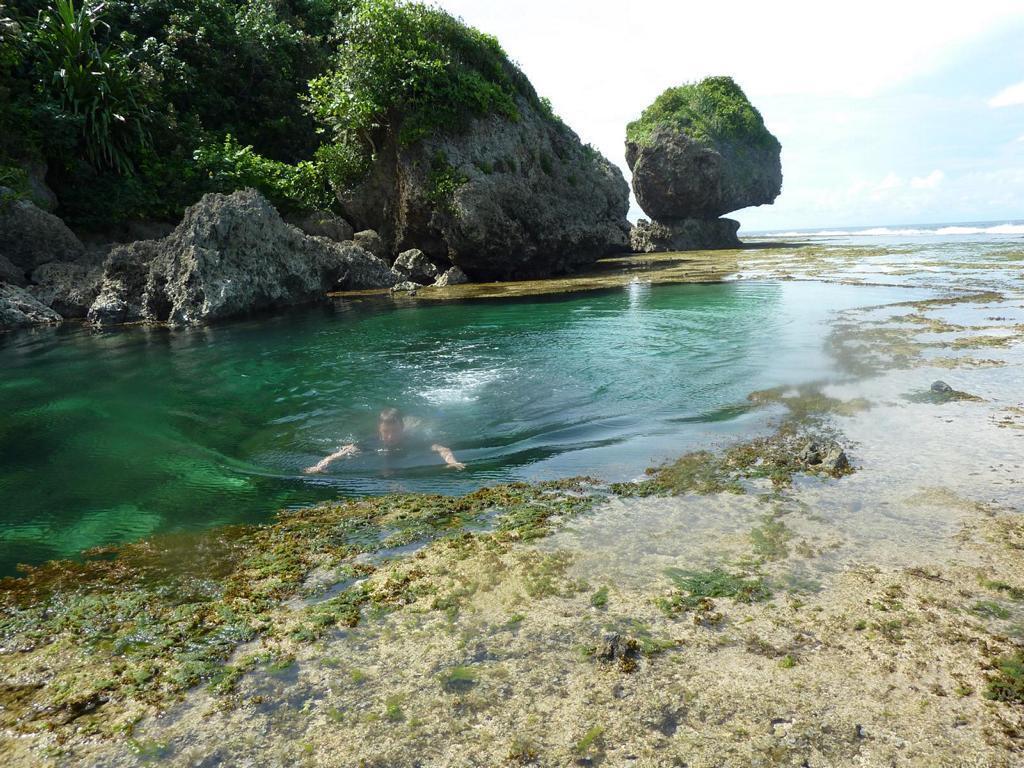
(91, 82)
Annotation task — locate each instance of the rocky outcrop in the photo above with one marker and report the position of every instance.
(30, 237)
(677, 177)
(68, 288)
(370, 241)
(502, 199)
(415, 266)
(700, 151)
(20, 309)
(452, 276)
(684, 235)
(324, 224)
(230, 256)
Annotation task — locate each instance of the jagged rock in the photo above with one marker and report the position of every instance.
(676, 177)
(68, 288)
(325, 224)
(231, 255)
(29, 236)
(834, 459)
(453, 276)
(406, 286)
(615, 647)
(414, 265)
(829, 457)
(502, 199)
(684, 235)
(20, 309)
(369, 240)
(10, 273)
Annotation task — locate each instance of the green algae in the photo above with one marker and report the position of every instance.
(770, 540)
(695, 589)
(777, 457)
(1007, 684)
(135, 626)
(941, 397)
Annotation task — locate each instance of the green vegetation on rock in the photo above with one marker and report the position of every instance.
(140, 108)
(712, 111)
(414, 69)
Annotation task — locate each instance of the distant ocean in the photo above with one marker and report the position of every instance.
(1014, 228)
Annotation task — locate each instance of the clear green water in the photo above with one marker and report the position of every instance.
(111, 436)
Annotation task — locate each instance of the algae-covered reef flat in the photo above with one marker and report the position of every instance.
(841, 589)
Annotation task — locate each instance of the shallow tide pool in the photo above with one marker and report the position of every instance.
(116, 435)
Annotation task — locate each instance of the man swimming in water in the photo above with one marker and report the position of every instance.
(390, 432)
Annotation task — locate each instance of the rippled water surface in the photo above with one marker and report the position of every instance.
(116, 435)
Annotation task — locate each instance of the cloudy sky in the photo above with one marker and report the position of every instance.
(888, 112)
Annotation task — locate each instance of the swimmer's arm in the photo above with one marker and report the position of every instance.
(320, 466)
(447, 455)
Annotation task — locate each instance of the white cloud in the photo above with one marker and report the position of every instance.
(1010, 96)
(931, 181)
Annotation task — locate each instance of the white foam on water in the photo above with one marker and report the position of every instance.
(942, 231)
(461, 386)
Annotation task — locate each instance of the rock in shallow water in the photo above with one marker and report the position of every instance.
(20, 309)
(453, 276)
(231, 255)
(677, 177)
(684, 235)
(415, 266)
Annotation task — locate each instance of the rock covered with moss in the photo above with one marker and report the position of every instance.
(702, 150)
(442, 144)
(230, 256)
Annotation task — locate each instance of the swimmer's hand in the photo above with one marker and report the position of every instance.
(320, 466)
(448, 456)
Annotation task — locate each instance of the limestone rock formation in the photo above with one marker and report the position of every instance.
(501, 199)
(452, 276)
(324, 224)
(231, 255)
(677, 177)
(29, 236)
(20, 309)
(415, 266)
(68, 288)
(684, 235)
(700, 151)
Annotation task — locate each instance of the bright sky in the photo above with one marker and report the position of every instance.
(892, 112)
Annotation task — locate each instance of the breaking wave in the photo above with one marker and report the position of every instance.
(937, 231)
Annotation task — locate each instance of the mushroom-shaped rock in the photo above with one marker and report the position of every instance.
(702, 150)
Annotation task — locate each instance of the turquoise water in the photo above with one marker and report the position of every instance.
(115, 435)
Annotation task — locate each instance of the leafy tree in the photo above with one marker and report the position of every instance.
(414, 69)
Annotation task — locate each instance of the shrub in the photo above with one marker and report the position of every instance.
(93, 84)
(711, 111)
(227, 166)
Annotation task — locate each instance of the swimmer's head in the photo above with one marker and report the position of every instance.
(390, 427)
